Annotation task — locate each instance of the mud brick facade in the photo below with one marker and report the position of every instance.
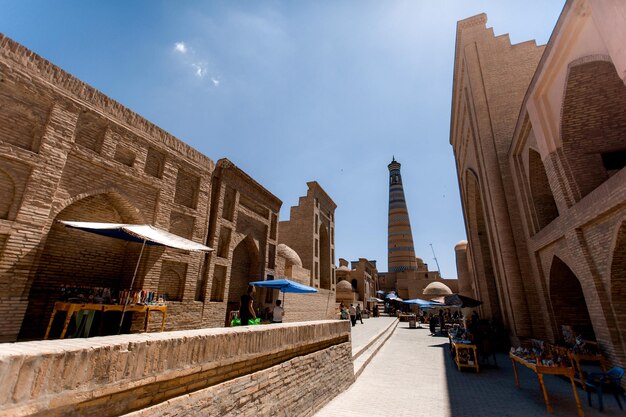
(539, 137)
(358, 283)
(307, 255)
(243, 231)
(68, 152)
(315, 213)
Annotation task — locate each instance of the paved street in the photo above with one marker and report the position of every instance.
(362, 334)
(413, 375)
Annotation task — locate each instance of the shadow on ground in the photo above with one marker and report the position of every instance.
(492, 391)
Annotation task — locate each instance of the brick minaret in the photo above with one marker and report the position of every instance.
(401, 254)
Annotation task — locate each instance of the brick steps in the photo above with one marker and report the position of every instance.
(363, 356)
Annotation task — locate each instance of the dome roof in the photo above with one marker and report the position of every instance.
(418, 259)
(437, 288)
(344, 285)
(290, 255)
(344, 268)
(461, 244)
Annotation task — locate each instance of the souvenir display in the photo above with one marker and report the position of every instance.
(102, 295)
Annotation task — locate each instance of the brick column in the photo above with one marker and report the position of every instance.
(25, 243)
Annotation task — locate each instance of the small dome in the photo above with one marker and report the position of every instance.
(462, 244)
(290, 255)
(436, 289)
(344, 285)
(419, 260)
(343, 268)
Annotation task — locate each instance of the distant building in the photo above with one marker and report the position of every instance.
(358, 284)
(408, 275)
(539, 138)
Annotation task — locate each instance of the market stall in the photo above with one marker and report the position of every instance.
(543, 359)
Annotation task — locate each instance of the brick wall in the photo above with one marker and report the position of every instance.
(593, 123)
(310, 231)
(491, 77)
(231, 370)
(276, 391)
(558, 212)
(69, 152)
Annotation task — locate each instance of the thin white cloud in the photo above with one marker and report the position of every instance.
(180, 47)
(190, 59)
(199, 69)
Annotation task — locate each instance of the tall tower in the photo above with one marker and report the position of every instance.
(400, 251)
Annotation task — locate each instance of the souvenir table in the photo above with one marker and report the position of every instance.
(71, 308)
(465, 354)
(541, 370)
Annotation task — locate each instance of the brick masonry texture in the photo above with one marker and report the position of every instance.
(68, 152)
(243, 369)
(545, 209)
(276, 391)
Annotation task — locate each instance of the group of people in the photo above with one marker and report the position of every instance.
(355, 313)
(440, 319)
(246, 308)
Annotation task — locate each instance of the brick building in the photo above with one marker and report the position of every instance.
(309, 234)
(357, 284)
(539, 137)
(68, 152)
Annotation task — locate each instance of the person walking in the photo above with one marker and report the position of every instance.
(246, 310)
(277, 313)
(359, 315)
(352, 315)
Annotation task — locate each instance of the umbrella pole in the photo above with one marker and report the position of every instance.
(132, 282)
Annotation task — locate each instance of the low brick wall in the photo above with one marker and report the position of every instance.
(224, 371)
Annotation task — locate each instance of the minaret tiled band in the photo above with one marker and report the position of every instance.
(401, 253)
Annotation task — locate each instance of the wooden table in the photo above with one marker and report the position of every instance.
(457, 345)
(547, 370)
(71, 308)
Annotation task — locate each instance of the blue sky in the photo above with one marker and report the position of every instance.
(293, 91)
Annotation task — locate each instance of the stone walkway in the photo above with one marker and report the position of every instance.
(363, 334)
(413, 375)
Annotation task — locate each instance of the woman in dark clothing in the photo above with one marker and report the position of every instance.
(432, 324)
(246, 311)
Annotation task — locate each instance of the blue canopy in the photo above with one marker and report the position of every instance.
(284, 285)
(423, 303)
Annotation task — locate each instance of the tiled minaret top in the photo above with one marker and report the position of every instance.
(401, 254)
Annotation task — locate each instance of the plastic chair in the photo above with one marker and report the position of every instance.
(609, 382)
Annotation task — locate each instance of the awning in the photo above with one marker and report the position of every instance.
(138, 233)
(458, 300)
(423, 303)
(284, 285)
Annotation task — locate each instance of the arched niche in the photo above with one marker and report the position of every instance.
(7, 191)
(73, 258)
(569, 307)
(245, 267)
(543, 199)
(479, 239)
(593, 123)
